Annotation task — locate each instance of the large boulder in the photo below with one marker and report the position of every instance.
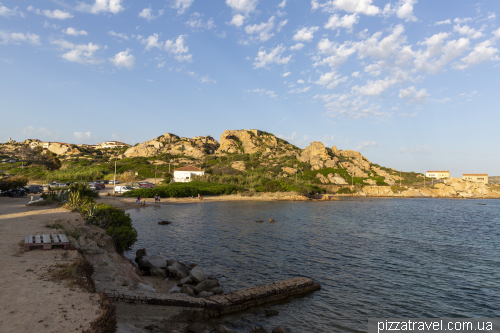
(153, 261)
(197, 275)
(178, 270)
(206, 285)
(139, 254)
(314, 154)
(238, 165)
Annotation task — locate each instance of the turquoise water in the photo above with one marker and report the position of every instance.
(405, 258)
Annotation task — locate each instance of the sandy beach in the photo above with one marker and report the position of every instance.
(30, 302)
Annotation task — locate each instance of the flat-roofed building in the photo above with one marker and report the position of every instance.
(476, 177)
(437, 174)
(184, 174)
(111, 144)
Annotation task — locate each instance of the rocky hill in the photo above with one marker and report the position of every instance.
(494, 179)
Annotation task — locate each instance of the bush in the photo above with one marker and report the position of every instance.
(179, 190)
(12, 183)
(117, 223)
(345, 191)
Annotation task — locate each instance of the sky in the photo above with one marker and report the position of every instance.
(412, 85)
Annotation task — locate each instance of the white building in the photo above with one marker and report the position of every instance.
(438, 174)
(111, 144)
(184, 174)
(476, 177)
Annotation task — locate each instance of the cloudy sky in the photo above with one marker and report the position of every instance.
(411, 84)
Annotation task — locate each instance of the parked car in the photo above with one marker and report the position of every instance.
(114, 182)
(100, 184)
(145, 185)
(34, 189)
(46, 187)
(95, 188)
(106, 182)
(122, 189)
(15, 193)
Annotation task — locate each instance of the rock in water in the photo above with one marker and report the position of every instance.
(185, 289)
(164, 222)
(180, 271)
(271, 312)
(153, 261)
(206, 285)
(139, 254)
(197, 275)
(259, 330)
(259, 221)
(170, 262)
(271, 221)
(205, 294)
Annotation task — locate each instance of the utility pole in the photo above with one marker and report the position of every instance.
(114, 180)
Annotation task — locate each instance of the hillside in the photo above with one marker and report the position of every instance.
(494, 179)
(252, 160)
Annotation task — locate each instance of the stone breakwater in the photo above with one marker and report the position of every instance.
(198, 309)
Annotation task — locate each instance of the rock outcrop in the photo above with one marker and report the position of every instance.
(253, 141)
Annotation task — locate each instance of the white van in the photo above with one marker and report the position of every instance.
(122, 189)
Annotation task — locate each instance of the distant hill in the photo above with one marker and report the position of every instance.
(494, 179)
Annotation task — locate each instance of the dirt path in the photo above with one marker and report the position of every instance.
(29, 302)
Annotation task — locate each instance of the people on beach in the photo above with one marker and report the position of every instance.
(156, 197)
(138, 200)
(159, 198)
(200, 197)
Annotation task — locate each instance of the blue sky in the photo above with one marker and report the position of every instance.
(411, 84)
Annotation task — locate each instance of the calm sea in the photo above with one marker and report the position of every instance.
(403, 258)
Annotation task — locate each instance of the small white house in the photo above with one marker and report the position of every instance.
(438, 174)
(184, 174)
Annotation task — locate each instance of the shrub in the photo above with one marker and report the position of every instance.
(12, 183)
(345, 191)
(179, 190)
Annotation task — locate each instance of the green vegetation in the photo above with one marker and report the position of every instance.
(179, 190)
(12, 183)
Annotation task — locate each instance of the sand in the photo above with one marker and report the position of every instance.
(29, 302)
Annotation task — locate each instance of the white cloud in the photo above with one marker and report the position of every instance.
(147, 13)
(496, 33)
(269, 93)
(462, 20)
(114, 34)
(263, 30)
(196, 22)
(123, 59)
(274, 56)
(178, 49)
(347, 22)
(82, 53)
(241, 10)
(53, 14)
(82, 135)
(17, 37)
(152, 41)
(101, 6)
(331, 80)
(305, 34)
(182, 5)
(48, 25)
(491, 16)
(300, 81)
(33, 132)
(299, 90)
(286, 74)
(347, 105)
(297, 46)
(403, 10)
(356, 74)
(207, 79)
(367, 144)
(237, 20)
(413, 96)
(282, 4)
(466, 30)
(338, 53)
(424, 149)
(281, 25)
(448, 21)
(351, 6)
(482, 52)
(437, 56)
(374, 88)
(6, 12)
(73, 32)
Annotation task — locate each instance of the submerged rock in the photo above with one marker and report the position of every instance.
(164, 222)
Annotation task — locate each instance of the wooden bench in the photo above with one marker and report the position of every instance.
(46, 241)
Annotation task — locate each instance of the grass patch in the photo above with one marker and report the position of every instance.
(345, 191)
(75, 233)
(395, 189)
(78, 273)
(54, 226)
